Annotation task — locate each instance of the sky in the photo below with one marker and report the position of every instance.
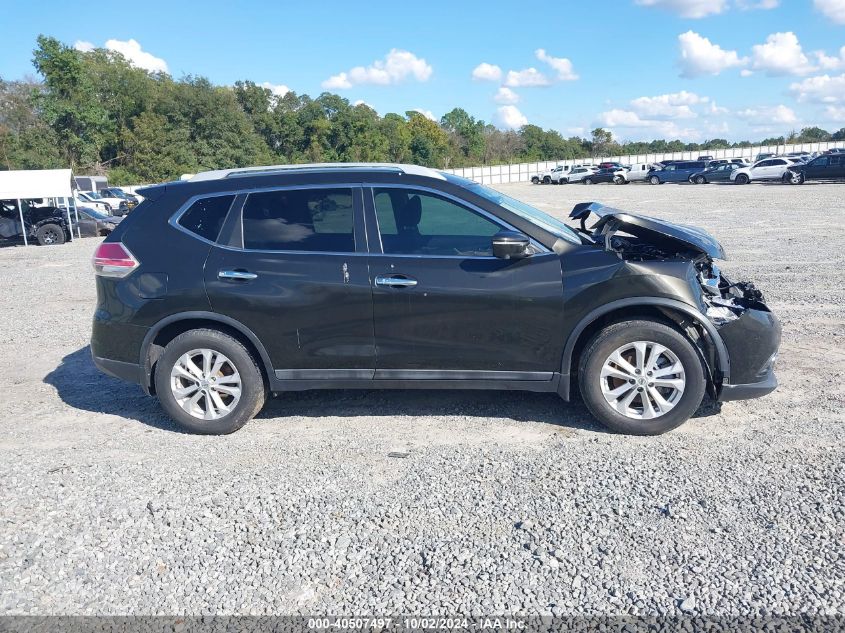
(688, 69)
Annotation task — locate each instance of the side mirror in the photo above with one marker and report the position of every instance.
(510, 245)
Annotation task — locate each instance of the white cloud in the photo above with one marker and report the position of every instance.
(358, 102)
(486, 72)
(688, 8)
(702, 8)
(562, 66)
(508, 117)
(632, 124)
(746, 73)
(426, 113)
(781, 55)
(506, 96)
(131, 50)
(832, 9)
(278, 90)
(526, 78)
(397, 66)
(136, 56)
(717, 110)
(830, 63)
(668, 106)
(834, 113)
(699, 56)
(747, 5)
(766, 115)
(820, 89)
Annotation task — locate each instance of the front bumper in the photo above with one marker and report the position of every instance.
(752, 342)
(749, 391)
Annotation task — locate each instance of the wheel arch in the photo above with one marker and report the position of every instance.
(172, 326)
(676, 313)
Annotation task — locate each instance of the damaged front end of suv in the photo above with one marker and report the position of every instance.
(735, 331)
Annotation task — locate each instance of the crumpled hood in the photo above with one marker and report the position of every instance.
(659, 232)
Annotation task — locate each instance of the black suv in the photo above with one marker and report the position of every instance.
(237, 283)
(824, 167)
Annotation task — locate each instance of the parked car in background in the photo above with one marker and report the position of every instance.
(764, 156)
(631, 312)
(705, 158)
(91, 183)
(734, 161)
(606, 174)
(46, 225)
(824, 167)
(577, 174)
(768, 169)
(836, 150)
(93, 223)
(676, 171)
(611, 164)
(635, 173)
(116, 192)
(714, 173)
(112, 206)
(546, 177)
(804, 156)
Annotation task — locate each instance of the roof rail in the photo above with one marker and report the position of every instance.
(218, 174)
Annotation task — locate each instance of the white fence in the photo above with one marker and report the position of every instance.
(522, 172)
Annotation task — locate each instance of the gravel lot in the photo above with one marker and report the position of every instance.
(508, 503)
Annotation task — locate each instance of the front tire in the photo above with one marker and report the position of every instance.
(588, 181)
(654, 180)
(50, 234)
(641, 377)
(547, 180)
(209, 383)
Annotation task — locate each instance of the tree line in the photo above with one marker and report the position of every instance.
(96, 113)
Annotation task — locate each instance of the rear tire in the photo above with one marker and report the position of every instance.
(50, 234)
(547, 180)
(700, 180)
(742, 179)
(229, 405)
(588, 181)
(535, 180)
(681, 392)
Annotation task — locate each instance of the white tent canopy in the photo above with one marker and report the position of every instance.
(24, 184)
(28, 184)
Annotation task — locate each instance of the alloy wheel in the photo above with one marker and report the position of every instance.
(643, 380)
(206, 384)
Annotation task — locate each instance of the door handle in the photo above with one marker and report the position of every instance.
(236, 275)
(395, 281)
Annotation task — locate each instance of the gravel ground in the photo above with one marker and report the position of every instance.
(507, 503)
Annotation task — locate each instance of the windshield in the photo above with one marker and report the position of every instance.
(526, 211)
(94, 213)
(115, 193)
(93, 195)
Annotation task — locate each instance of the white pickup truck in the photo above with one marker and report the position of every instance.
(550, 176)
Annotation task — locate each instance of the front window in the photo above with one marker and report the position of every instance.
(526, 211)
(93, 195)
(413, 222)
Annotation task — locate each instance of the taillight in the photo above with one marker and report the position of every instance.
(113, 259)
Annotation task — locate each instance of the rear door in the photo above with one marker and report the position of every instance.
(444, 307)
(294, 271)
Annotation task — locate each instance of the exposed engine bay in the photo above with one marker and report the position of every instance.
(641, 238)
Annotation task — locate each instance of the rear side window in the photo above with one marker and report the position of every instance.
(318, 220)
(205, 216)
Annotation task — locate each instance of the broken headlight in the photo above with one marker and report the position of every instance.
(721, 311)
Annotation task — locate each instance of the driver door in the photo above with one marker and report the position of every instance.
(443, 306)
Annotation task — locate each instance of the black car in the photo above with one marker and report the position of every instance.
(717, 173)
(46, 225)
(237, 283)
(824, 167)
(94, 223)
(605, 174)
